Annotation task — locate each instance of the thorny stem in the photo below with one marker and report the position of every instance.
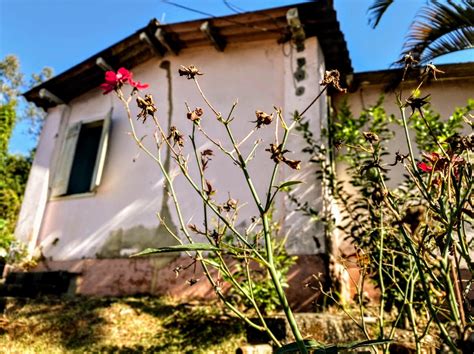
(217, 114)
(381, 279)
(411, 312)
(217, 144)
(259, 314)
(400, 313)
(222, 261)
(414, 255)
(407, 135)
(250, 297)
(313, 101)
(281, 294)
(360, 299)
(456, 279)
(217, 213)
(424, 283)
(181, 220)
(264, 216)
(160, 164)
(244, 139)
(201, 174)
(268, 245)
(275, 167)
(183, 169)
(433, 135)
(455, 307)
(417, 176)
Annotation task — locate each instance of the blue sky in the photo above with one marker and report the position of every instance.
(62, 33)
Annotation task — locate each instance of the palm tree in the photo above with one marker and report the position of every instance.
(438, 28)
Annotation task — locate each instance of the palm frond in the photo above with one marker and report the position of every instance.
(441, 28)
(376, 11)
(452, 42)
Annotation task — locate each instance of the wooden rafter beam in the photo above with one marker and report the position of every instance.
(166, 41)
(101, 63)
(48, 96)
(211, 33)
(146, 39)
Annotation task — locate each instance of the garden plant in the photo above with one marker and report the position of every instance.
(253, 248)
(414, 241)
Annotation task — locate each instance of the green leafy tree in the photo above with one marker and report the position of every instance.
(14, 169)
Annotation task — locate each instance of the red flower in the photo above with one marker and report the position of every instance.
(432, 157)
(434, 160)
(116, 80)
(424, 167)
(138, 85)
(440, 163)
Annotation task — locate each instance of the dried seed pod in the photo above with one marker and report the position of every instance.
(432, 70)
(277, 155)
(371, 138)
(176, 137)
(263, 118)
(409, 60)
(195, 115)
(416, 103)
(332, 78)
(230, 204)
(399, 158)
(205, 158)
(190, 72)
(147, 107)
(209, 189)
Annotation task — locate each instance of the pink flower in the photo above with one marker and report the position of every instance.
(116, 80)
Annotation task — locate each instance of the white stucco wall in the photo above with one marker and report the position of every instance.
(259, 75)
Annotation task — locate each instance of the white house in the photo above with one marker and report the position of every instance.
(92, 197)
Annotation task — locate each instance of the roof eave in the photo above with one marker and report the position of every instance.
(318, 18)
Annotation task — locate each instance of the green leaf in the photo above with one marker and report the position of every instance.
(177, 248)
(288, 184)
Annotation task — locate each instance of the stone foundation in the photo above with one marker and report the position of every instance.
(155, 276)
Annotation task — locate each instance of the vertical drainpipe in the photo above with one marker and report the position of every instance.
(328, 170)
(338, 275)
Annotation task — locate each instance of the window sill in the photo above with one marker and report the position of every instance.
(73, 196)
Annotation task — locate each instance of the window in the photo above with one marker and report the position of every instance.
(82, 158)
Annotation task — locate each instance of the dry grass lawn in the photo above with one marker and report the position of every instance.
(118, 325)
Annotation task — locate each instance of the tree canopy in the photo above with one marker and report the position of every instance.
(14, 169)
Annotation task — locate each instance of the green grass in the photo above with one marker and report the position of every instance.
(118, 325)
